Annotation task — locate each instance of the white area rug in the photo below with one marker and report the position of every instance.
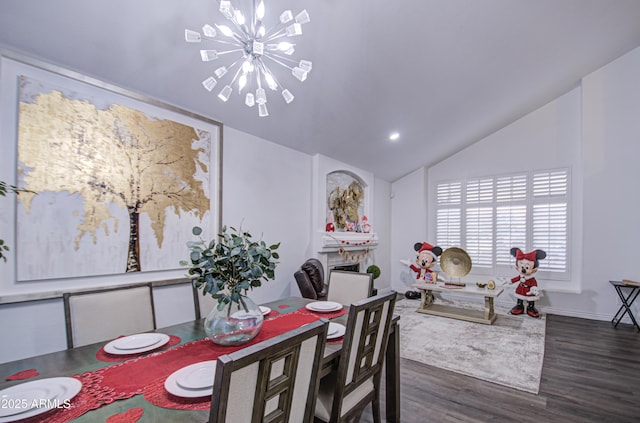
(509, 352)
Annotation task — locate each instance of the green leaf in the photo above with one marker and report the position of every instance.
(196, 230)
(231, 265)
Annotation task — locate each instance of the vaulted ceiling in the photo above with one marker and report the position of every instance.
(443, 73)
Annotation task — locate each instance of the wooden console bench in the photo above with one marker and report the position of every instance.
(486, 316)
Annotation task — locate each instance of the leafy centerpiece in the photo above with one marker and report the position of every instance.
(226, 269)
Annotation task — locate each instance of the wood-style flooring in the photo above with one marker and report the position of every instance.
(591, 373)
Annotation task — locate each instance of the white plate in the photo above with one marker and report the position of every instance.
(153, 341)
(265, 310)
(336, 330)
(36, 397)
(197, 376)
(324, 306)
(191, 375)
(135, 342)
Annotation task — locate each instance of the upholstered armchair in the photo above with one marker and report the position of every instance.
(310, 279)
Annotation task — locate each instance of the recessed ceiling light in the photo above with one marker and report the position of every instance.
(394, 136)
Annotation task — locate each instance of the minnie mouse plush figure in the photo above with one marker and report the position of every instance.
(425, 260)
(527, 289)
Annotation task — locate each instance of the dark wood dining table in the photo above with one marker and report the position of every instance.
(80, 360)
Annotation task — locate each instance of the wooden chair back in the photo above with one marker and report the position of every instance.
(273, 381)
(356, 383)
(203, 304)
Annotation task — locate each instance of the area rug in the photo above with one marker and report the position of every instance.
(510, 352)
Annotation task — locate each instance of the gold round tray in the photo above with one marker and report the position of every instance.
(455, 262)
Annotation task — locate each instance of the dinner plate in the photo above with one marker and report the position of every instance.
(135, 342)
(131, 344)
(324, 306)
(265, 310)
(36, 397)
(192, 375)
(197, 376)
(336, 330)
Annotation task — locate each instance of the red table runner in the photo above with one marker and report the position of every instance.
(146, 374)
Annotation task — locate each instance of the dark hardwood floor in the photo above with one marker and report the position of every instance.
(591, 373)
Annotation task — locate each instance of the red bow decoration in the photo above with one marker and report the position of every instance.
(532, 256)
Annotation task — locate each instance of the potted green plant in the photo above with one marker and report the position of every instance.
(374, 270)
(226, 269)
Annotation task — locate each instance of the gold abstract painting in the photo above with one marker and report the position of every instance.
(115, 189)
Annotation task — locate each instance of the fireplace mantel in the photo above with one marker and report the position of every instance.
(333, 241)
(339, 248)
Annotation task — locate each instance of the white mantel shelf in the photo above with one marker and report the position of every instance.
(333, 241)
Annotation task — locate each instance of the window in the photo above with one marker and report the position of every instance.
(490, 215)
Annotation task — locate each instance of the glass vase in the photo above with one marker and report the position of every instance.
(234, 323)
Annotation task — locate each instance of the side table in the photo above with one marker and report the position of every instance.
(627, 300)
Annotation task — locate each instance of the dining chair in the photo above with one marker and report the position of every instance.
(100, 314)
(310, 280)
(344, 393)
(203, 304)
(273, 381)
(348, 287)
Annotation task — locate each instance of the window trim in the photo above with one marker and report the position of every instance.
(528, 202)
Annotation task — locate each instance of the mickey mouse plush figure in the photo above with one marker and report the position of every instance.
(425, 260)
(527, 289)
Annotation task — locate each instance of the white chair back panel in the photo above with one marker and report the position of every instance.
(242, 390)
(378, 347)
(106, 315)
(303, 379)
(349, 287)
(356, 340)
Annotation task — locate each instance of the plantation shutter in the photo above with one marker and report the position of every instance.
(448, 216)
(550, 226)
(490, 215)
(511, 216)
(479, 222)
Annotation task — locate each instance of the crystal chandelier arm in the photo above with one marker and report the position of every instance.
(274, 57)
(265, 71)
(279, 59)
(281, 32)
(230, 42)
(228, 32)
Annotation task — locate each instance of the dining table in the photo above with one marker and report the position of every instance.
(130, 388)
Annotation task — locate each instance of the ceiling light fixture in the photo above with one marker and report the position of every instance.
(394, 136)
(250, 44)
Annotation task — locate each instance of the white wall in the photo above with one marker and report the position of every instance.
(382, 253)
(611, 152)
(547, 138)
(594, 130)
(409, 225)
(266, 189)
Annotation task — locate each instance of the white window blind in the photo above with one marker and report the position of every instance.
(479, 236)
(511, 216)
(448, 224)
(550, 226)
(490, 215)
(479, 221)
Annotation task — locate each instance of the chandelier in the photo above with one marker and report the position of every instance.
(251, 48)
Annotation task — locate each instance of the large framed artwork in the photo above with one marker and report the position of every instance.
(115, 180)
